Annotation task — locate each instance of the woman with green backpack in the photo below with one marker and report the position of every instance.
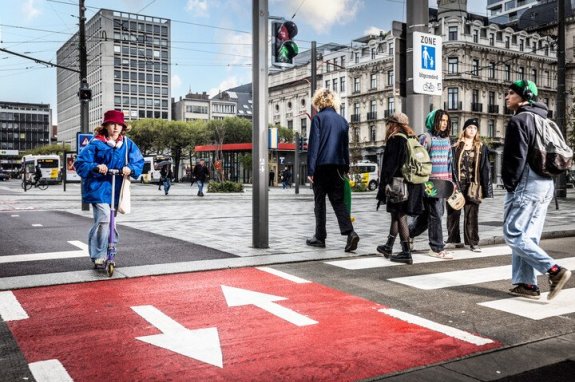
(402, 198)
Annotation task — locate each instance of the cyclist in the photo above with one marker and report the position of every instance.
(37, 174)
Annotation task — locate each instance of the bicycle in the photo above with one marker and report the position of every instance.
(41, 184)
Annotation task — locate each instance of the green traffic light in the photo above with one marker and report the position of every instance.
(287, 51)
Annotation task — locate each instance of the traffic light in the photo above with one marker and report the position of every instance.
(85, 93)
(301, 143)
(284, 49)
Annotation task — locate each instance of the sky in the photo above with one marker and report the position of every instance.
(211, 39)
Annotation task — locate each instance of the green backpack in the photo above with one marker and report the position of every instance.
(417, 167)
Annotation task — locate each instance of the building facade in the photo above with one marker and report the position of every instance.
(128, 69)
(23, 126)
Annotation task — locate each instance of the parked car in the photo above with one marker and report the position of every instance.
(4, 175)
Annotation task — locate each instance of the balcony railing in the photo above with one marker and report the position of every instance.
(387, 113)
(478, 107)
(453, 105)
(355, 117)
(493, 109)
(372, 115)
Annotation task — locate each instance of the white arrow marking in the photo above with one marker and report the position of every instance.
(50, 370)
(48, 255)
(240, 297)
(200, 344)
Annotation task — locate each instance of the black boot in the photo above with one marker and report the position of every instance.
(404, 256)
(387, 248)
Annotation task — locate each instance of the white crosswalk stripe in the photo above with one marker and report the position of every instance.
(380, 262)
(563, 304)
(466, 277)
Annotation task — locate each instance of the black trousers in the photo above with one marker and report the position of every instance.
(470, 221)
(328, 181)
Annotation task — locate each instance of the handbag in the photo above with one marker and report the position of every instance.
(125, 202)
(456, 200)
(474, 193)
(396, 192)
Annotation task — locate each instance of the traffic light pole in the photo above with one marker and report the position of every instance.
(417, 105)
(296, 164)
(260, 223)
(84, 103)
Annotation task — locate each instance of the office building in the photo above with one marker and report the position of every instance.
(128, 69)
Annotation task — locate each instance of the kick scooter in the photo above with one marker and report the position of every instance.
(109, 265)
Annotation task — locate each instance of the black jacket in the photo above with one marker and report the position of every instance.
(519, 139)
(201, 173)
(484, 169)
(328, 141)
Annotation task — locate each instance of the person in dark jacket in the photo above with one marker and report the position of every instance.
(327, 164)
(470, 165)
(107, 150)
(166, 177)
(201, 174)
(394, 157)
(527, 199)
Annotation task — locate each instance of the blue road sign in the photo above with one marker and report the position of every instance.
(82, 140)
(428, 57)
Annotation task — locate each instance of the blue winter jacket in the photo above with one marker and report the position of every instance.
(96, 187)
(328, 140)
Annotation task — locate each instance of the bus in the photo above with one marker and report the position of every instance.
(149, 173)
(365, 172)
(49, 164)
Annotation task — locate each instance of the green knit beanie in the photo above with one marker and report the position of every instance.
(526, 89)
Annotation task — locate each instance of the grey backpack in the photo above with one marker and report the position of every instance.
(550, 155)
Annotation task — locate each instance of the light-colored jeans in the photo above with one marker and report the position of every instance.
(100, 231)
(523, 221)
(200, 186)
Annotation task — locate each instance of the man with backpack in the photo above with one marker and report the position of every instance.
(528, 196)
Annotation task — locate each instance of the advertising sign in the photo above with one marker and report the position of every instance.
(71, 175)
(427, 64)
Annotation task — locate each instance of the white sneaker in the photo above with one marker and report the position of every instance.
(440, 255)
(100, 260)
(475, 248)
(453, 245)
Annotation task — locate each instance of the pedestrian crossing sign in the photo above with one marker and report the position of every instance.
(82, 140)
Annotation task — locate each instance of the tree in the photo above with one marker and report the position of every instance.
(176, 136)
(145, 134)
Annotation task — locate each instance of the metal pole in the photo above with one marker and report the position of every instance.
(296, 164)
(260, 224)
(84, 103)
(561, 190)
(417, 105)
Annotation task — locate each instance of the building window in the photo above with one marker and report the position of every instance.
(521, 73)
(475, 36)
(452, 65)
(390, 105)
(507, 42)
(342, 84)
(491, 39)
(373, 81)
(342, 61)
(491, 72)
(372, 53)
(356, 54)
(290, 124)
(372, 133)
(452, 98)
(534, 75)
(356, 85)
(475, 67)
(303, 124)
(334, 84)
(521, 45)
(452, 33)
(507, 72)
(491, 128)
(390, 78)
(327, 84)
(390, 49)
(372, 106)
(356, 108)
(548, 78)
(342, 110)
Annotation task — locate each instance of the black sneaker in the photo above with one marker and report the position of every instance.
(522, 291)
(352, 240)
(313, 242)
(557, 282)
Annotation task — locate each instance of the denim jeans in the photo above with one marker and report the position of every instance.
(523, 221)
(100, 231)
(167, 185)
(430, 219)
(200, 186)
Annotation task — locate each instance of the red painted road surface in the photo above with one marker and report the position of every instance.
(91, 329)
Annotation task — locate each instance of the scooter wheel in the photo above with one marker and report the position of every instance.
(110, 269)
